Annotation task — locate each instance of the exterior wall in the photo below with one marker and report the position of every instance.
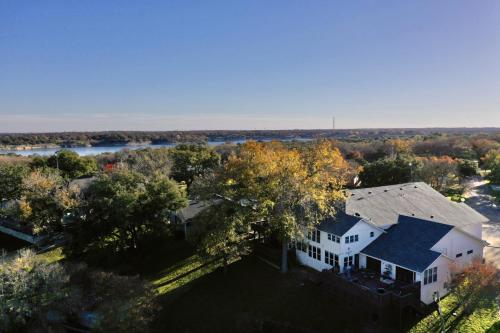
(342, 249)
(475, 229)
(443, 277)
(456, 242)
(362, 260)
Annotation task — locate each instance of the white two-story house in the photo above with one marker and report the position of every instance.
(407, 232)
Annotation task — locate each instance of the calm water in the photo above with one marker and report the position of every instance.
(86, 151)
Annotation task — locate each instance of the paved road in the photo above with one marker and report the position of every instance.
(484, 204)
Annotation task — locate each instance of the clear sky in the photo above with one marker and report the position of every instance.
(255, 64)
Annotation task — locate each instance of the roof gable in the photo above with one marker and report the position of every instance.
(408, 243)
(339, 224)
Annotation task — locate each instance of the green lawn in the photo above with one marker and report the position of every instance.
(483, 315)
(252, 296)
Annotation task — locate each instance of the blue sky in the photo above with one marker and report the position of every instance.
(179, 65)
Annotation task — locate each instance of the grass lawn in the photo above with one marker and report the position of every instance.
(252, 297)
(482, 317)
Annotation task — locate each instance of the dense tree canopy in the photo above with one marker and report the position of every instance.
(387, 172)
(71, 165)
(39, 296)
(11, 180)
(467, 168)
(190, 161)
(45, 200)
(288, 188)
(436, 171)
(122, 207)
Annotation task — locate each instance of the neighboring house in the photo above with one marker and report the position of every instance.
(184, 217)
(408, 233)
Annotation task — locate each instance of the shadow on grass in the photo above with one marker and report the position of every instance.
(251, 297)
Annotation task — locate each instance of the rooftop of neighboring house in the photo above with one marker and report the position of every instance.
(194, 208)
(408, 243)
(339, 224)
(383, 205)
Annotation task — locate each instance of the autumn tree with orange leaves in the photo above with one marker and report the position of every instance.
(290, 189)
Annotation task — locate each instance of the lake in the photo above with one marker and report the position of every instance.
(87, 151)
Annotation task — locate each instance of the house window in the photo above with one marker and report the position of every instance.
(430, 275)
(331, 259)
(337, 239)
(302, 246)
(333, 238)
(314, 235)
(372, 234)
(314, 252)
(348, 261)
(470, 251)
(356, 238)
(347, 239)
(351, 239)
(458, 255)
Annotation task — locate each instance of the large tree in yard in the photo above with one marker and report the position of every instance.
(190, 161)
(122, 207)
(289, 189)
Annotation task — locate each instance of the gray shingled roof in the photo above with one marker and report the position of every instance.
(382, 205)
(408, 243)
(339, 224)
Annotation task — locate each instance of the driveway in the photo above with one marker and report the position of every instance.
(478, 199)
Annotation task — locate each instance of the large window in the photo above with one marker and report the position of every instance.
(348, 261)
(331, 259)
(430, 275)
(470, 252)
(314, 252)
(314, 235)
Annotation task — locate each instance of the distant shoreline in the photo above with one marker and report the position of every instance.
(58, 140)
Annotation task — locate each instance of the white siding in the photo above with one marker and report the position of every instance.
(443, 271)
(362, 229)
(456, 242)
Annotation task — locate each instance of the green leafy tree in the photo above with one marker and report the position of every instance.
(190, 161)
(11, 180)
(491, 159)
(121, 208)
(31, 289)
(387, 172)
(467, 168)
(71, 165)
(125, 304)
(148, 161)
(38, 296)
(494, 175)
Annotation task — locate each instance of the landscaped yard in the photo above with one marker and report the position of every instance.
(458, 318)
(252, 296)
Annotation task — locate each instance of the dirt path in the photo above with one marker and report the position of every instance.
(483, 203)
